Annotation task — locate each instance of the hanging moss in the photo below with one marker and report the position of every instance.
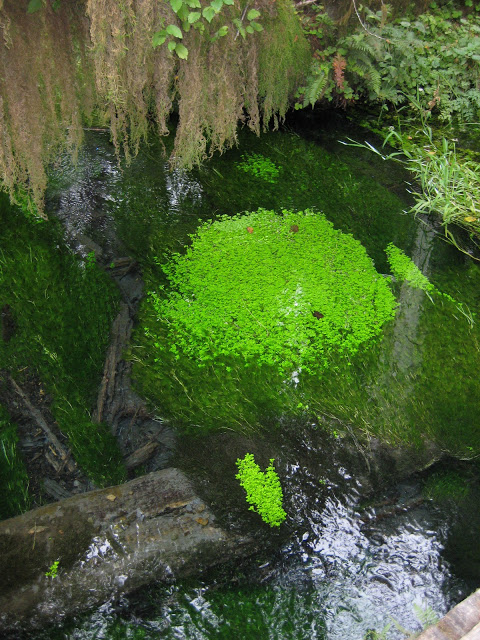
(60, 66)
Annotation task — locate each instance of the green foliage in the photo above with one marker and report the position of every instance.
(15, 498)
(53, 570)
(264, 491)
(35, 5)
(259, 166)
(284, 290)
(449, 183)
(437, 53)
(191, 14)
(403, 268)
(62, 309)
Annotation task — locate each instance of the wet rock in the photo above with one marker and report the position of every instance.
(152, 530)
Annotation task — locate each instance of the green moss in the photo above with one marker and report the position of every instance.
(283, 58)
(264, 491)
(62, 309)
(446, 485)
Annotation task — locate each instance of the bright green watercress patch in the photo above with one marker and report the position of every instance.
(284, 290)
(259, 166)
(264, 491)
(403, 268)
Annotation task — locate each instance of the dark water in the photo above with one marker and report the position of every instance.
(340, 567)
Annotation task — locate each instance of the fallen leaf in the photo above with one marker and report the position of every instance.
(37, 529)
(470, 219)
(294, 228)
(202, 521)
(111, 497)
(250, 229)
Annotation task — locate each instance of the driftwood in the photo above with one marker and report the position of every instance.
(62, 453)
(107, 542)
(141, 455)
(143, 438)
(108, 399)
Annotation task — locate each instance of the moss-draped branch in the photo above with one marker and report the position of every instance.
(93, 61)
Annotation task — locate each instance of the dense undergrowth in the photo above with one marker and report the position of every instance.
(410, 69)
(61, 310)
(385, 59)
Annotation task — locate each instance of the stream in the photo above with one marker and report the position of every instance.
(367, 547)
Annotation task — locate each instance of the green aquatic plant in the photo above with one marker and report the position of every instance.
(264, 491)
(283, 290)
(403, 268)
(53, 570)
(259, 166)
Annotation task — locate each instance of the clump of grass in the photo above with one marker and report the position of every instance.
(449, 183)
(14, 497)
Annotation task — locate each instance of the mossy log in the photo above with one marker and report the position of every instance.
(106, 542)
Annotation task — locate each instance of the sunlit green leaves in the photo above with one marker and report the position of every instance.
(159, 38)
(176, 4)
(253, 14)
(181, 51)
(194, 16)
(282, 290)
(217, 5)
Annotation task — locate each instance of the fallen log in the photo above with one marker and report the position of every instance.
(106, 542)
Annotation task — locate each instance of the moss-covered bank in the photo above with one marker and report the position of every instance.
(56, 330)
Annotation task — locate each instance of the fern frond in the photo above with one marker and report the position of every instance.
(317, 85)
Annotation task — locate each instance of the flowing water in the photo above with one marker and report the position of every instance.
(342, 567)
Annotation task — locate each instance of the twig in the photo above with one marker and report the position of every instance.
(241, 20)
(370, 33)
